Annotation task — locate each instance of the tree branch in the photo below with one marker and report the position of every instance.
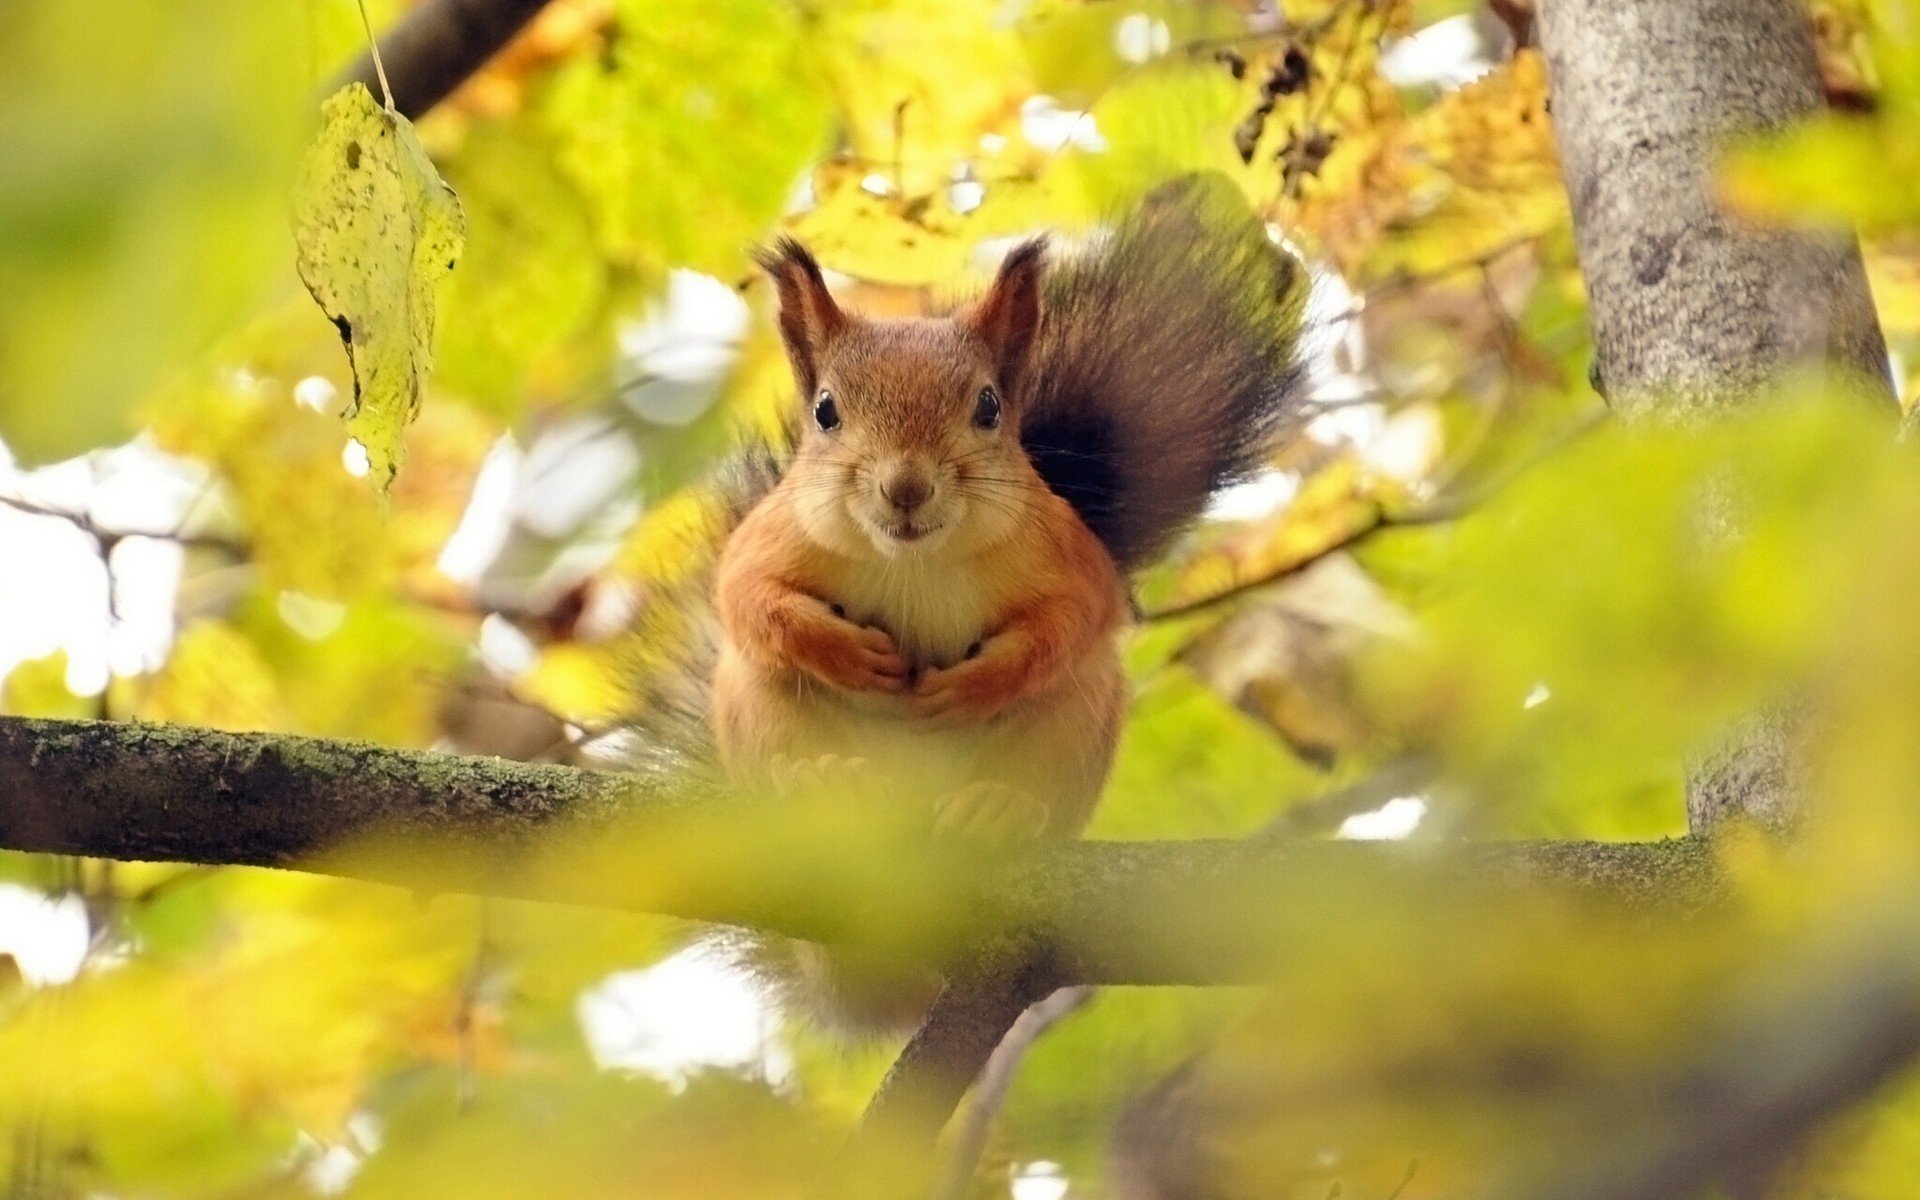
(967, 1021)
(996, 1080)
(1194, 912)
(1006, 927)
(438, 45)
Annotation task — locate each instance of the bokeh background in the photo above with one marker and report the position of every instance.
(1461, 604)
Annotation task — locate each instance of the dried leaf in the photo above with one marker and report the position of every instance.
(376, 226)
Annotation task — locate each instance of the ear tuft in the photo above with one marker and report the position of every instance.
(1007, 318)
(809, 318)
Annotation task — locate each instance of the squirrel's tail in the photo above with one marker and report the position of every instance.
(676, 636)
(1166, 365)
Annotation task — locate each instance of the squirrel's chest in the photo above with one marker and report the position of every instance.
(934, 611)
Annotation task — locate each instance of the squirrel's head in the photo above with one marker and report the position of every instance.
(910, 434)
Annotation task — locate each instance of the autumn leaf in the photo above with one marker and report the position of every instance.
(376, 226)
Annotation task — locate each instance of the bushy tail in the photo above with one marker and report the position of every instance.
(1164, 368)
(675, 642)
(1166, 365)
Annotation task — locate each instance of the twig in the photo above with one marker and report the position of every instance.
(108, 537)
(996, 1079)
(373, 49)
(1360, 532)
(1438, 511)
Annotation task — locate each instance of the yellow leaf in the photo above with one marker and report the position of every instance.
(376, 226)
(1789, 176)
(216, 677)
(38, 688)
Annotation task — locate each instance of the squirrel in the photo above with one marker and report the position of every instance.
(934, 577)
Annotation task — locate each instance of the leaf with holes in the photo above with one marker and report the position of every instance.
(375, 227)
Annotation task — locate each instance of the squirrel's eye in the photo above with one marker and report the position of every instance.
(825, 415)
(986, 410)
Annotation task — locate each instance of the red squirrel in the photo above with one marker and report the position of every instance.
(934, 581)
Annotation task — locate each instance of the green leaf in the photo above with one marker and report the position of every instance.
(686, 140)
(1788, 176)
(376, 227)
(143, 172)
(38, 688)
(524, 314)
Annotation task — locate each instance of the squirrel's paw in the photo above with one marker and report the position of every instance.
(962, 694)
(859, 658)
(792, 776)
(986, 809)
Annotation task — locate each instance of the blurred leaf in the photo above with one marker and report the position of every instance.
(688, 134)
(909, 114)
(609, 1137)
(532, 279)
(1164, 121)
(38, 688)
(214, 677)
(1189, 765)
(373, 670)
(1787, 177)
(376, 228)
(143, 175)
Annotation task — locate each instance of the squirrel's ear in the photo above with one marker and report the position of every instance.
(809, 318)
(1008, 316)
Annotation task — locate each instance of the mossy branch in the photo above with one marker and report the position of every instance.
(1007, 927)
(1191, 912)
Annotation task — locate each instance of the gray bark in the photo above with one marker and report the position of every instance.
(1692, 310)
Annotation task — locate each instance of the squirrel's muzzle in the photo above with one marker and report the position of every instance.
(906, 487)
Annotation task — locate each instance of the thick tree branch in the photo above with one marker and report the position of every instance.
(438, 45)
(1194, 912)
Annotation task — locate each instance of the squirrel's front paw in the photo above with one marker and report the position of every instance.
(964, 693)
(990, 810)
(859, 658)
(790, 776)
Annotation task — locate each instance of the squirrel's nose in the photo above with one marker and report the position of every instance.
(906, 488)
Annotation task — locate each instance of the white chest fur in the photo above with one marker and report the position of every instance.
(935, 608)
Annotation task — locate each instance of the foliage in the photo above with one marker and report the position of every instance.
(1457, 580)
(376, 228)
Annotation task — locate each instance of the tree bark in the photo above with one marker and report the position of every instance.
(1691, 310)
(1193, 912)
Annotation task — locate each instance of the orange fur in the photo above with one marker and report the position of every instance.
(936, 582)
(980, 649)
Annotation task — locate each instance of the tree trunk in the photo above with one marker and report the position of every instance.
(1692, 310)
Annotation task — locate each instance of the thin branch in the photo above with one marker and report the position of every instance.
(438, 45)
(1438, 511)
(1359, 532)
(996, 1080)
(107, 536)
